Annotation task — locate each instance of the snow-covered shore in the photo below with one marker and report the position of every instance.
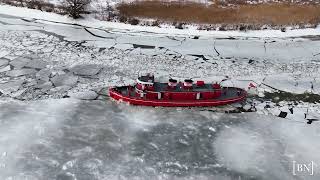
(94, 23)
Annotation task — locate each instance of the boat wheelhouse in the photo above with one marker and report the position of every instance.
(148, 92)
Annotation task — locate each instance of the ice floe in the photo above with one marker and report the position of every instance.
(86, 69)
(3, 62)
(64, 80)
(11, 86)
(20, 72)
(85, 95)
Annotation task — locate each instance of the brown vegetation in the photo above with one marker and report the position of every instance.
(270, 14)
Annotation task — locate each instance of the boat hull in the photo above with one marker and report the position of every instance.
(171, 103)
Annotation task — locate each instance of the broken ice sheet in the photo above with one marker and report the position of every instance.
(12, 86)
(3, 62)
(85, 95)
(60, 89)
(20, 72)
(64, 80)
(36, 64)
(45, 86)
(5, 69)
(86, 69)
(19, 62)
(43, 74)
(18, 93)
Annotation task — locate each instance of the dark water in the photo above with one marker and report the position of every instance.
(96, 140)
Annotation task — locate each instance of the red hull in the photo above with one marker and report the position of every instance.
(169, 103)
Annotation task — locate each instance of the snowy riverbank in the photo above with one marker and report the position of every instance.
(94, 23)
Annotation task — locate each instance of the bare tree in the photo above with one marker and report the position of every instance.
(76, 7)
(21, 2)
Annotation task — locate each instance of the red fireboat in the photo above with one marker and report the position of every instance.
(147, 92)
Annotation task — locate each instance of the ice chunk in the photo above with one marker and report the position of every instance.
(123, 46)
(4, 53)
(65, 80)
(45, 86)
(59, 72)
(32, 56)
(18, 93)
(87, 95)
(5, 69)
(43, 74)
(60, 89)
(212, 129)
(31, 82)
(12, 86)
(36, 64)
(247, 107)
(3, 62)
(20, 72)
(86, 69)
(190, 58)
(19, 62)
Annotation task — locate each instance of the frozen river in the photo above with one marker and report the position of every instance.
(71, 139)
(45, 135)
